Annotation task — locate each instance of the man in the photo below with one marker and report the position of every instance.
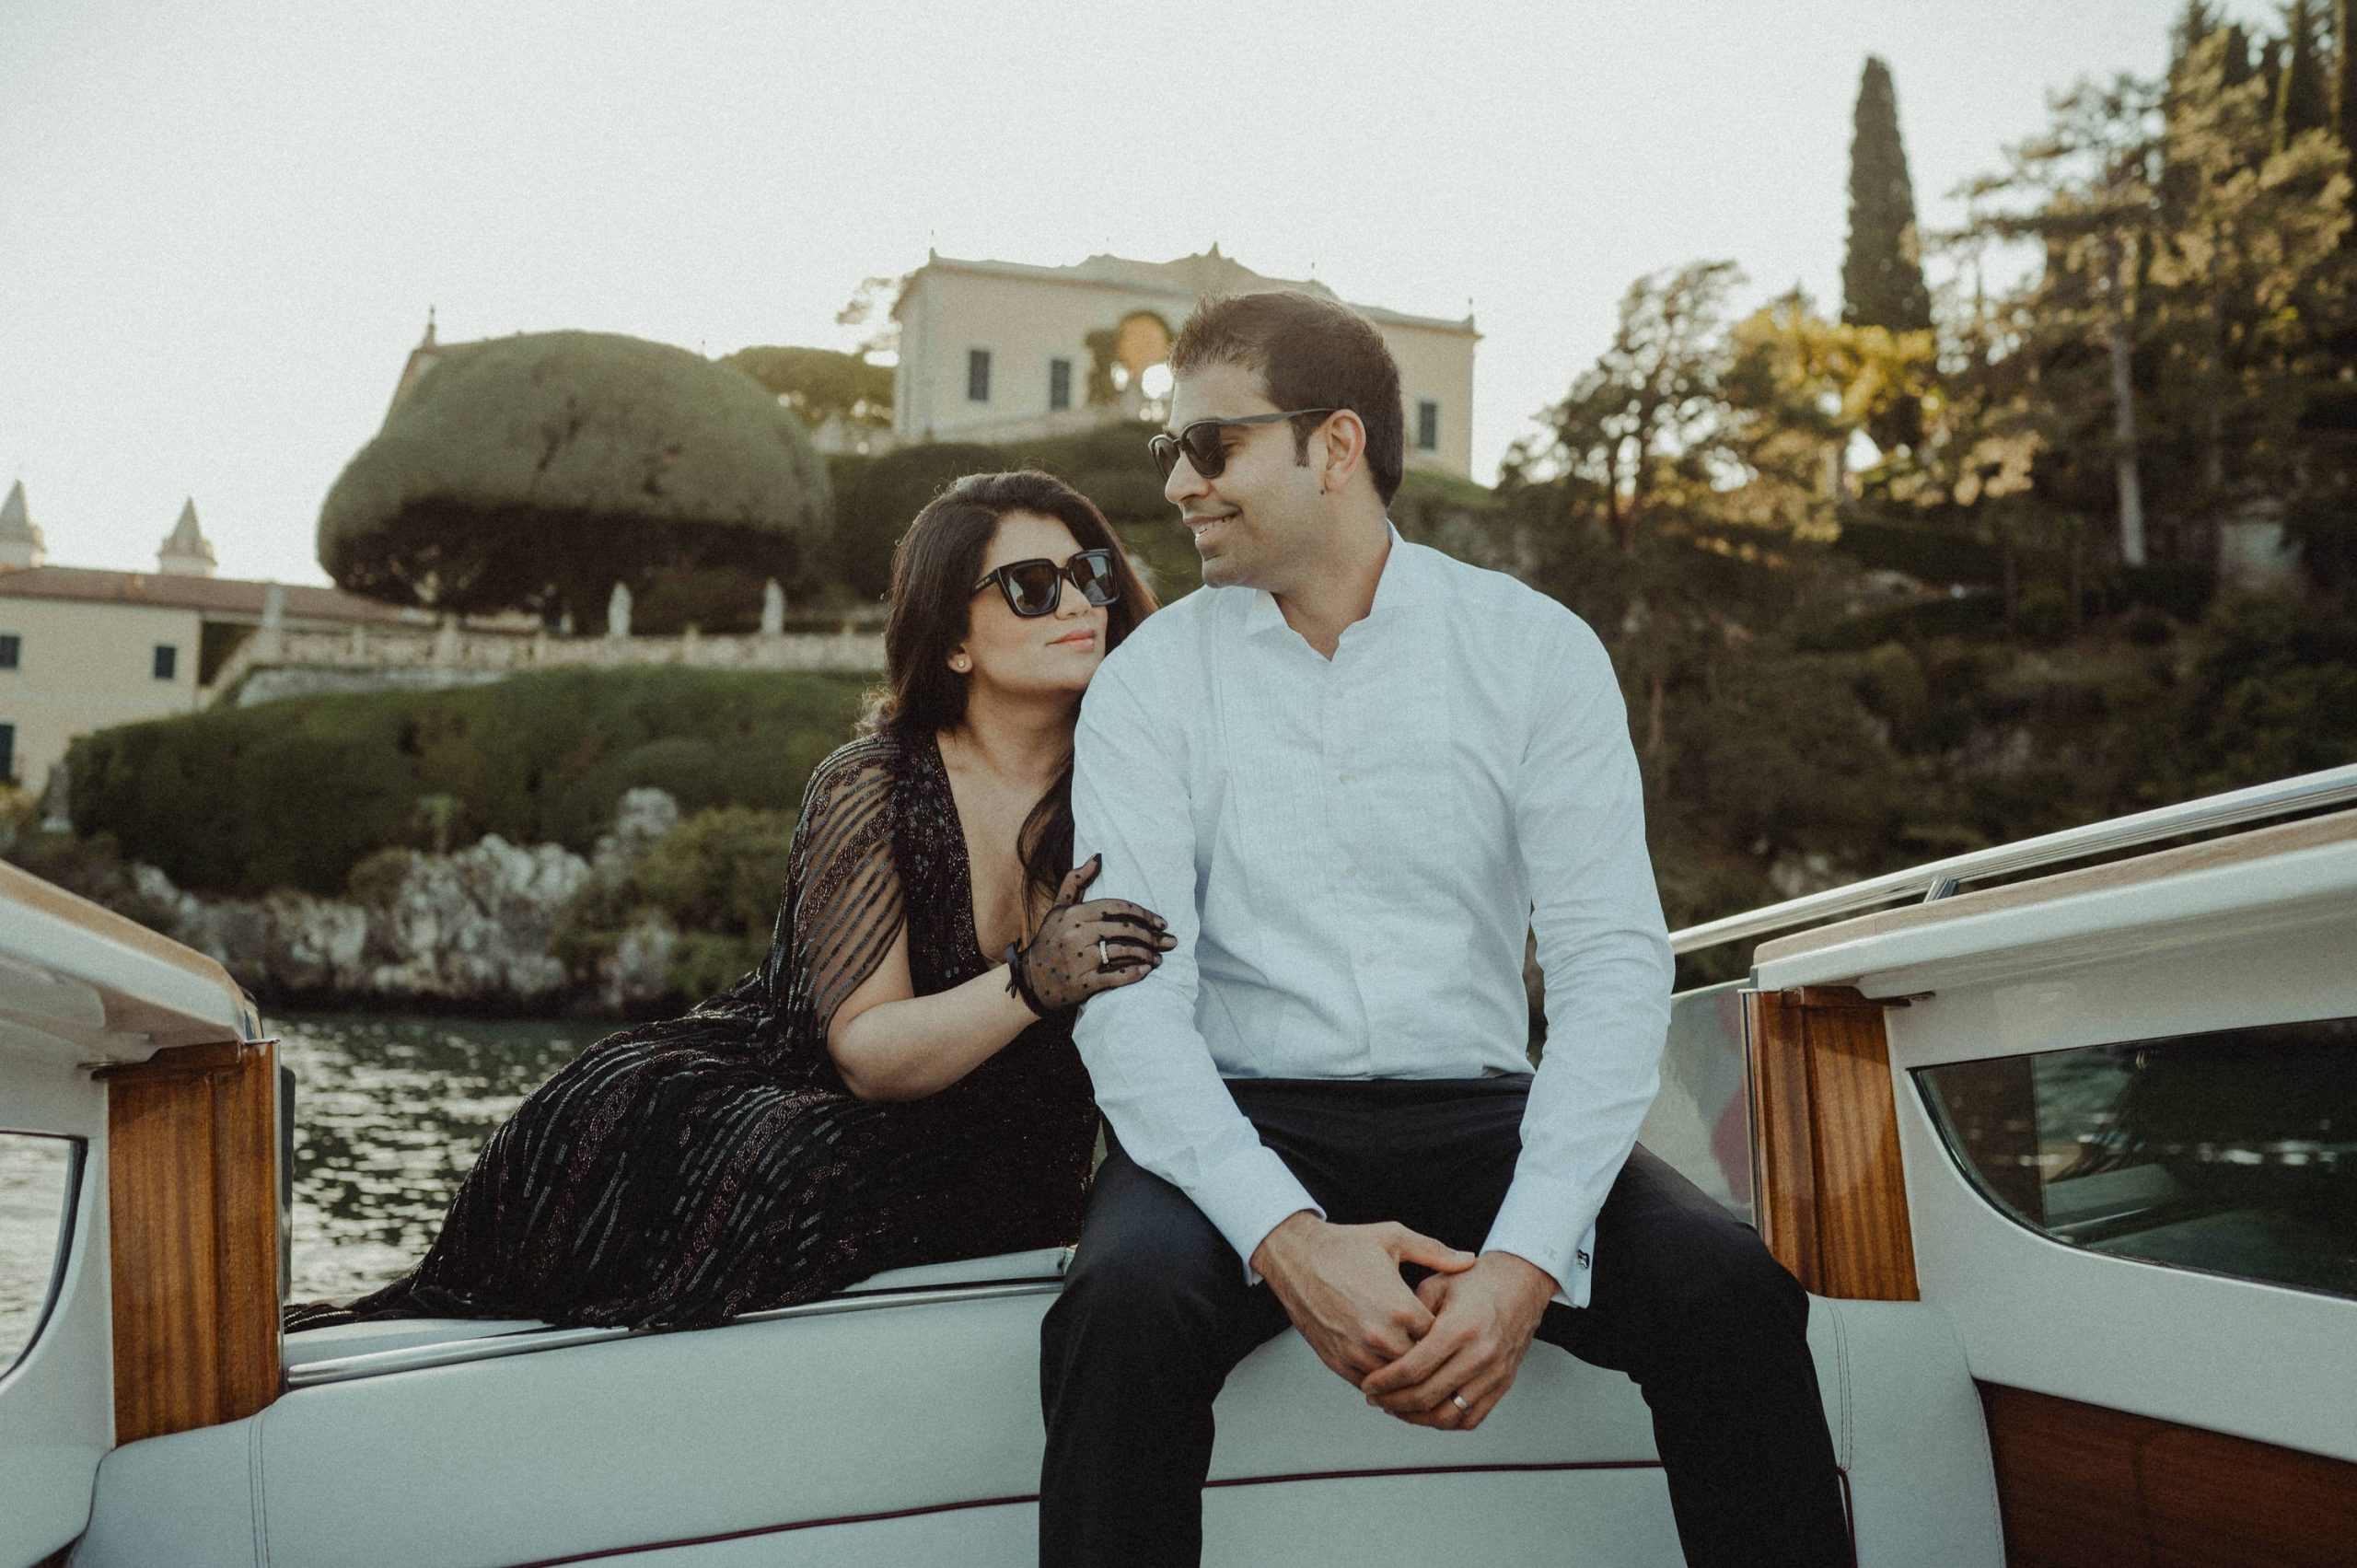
(1353, 773)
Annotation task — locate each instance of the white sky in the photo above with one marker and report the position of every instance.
(221, 222)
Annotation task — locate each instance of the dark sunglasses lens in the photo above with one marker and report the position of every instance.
(1031, 586)
(1204, 448)
(1165, 453)
(1092, 572)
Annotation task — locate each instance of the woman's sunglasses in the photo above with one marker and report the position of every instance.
(1201, 444)
(1037, 586)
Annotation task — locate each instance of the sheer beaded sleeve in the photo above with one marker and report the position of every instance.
(842, 903)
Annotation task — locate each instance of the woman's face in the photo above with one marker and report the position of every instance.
(1056, 652)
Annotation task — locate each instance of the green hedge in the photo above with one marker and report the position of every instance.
(1926, 554)
(297, 792)
(1110, 465)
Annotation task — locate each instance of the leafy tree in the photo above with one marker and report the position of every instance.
(819, 384)
(2091, 180)
(1639, 420)
(1882, 277)
(537, 471)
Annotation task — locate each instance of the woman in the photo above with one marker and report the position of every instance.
(897, 1083)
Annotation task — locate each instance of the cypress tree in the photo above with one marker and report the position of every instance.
(2238, 66)
(2344, 75)
(2197, 23)
(2303, 102)
(1882, 277)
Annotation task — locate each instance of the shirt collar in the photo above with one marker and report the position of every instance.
(1407, 579)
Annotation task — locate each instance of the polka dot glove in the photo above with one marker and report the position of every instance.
(1083, 948)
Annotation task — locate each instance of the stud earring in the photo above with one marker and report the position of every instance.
(960, 662)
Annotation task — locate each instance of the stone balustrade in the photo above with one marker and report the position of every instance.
(461, 650)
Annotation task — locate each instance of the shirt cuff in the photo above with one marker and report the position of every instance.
(1247, 1197)
(1530, 1225)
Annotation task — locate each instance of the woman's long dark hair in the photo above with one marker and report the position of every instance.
(934, 571)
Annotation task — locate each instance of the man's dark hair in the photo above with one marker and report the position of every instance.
(1312, 352)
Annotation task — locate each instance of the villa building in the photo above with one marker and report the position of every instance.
(82, 648)
(996, 351)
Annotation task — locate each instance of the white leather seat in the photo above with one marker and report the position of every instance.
(908, 1432)
(315, 1346)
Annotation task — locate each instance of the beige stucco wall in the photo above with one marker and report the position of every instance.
(85, 667)
(1025, 323)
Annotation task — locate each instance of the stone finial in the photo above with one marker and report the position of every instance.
(20, 541)
(186, 552)
(618, 612)
(772, 609)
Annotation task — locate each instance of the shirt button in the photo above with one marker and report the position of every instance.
(1342, 777)
(1337, 689)
(1367, 957)
(1349, 871)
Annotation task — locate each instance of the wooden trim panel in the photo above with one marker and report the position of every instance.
(193, 1210)
(2080, 1486)
(1831, 1193)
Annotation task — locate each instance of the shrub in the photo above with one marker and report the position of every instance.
(714, 879)
(891, 492)
(1926, 554)
(299, 792)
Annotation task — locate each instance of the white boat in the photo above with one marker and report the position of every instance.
(2053, 1324)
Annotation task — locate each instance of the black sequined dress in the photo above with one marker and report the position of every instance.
(684, 1171)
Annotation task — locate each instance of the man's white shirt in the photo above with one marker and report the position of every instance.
(1351, 854)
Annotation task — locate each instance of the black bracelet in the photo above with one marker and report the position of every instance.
(1017, 985)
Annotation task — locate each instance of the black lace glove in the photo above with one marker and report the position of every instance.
(1083, 948)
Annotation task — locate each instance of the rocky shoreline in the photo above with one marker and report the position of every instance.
(470, 931)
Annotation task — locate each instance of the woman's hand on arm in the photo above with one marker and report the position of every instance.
(1081, 948)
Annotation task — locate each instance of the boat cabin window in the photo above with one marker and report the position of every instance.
(37, 1180)
(2233, 1152)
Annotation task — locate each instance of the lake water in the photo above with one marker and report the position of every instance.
(389, 1115)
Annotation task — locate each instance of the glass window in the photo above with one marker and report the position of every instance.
(2233, 1152)
(168, 661)
(7, 753)
(1428, 427)
(37, 1188)
(1701, 1122)
(1060, 383)
(978, 375)
(12, 649)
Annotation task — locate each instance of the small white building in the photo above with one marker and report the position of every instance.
(82, 648)
(997, 350)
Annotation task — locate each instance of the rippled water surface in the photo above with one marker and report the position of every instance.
(33, 1172)
(389, 1115)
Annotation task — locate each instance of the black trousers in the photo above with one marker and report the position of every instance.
(1685, 1299)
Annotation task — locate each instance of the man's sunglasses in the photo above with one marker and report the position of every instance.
(1037, 586)
(1201, 444)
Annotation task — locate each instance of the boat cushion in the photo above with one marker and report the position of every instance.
(313, 1346)
(908, 1432)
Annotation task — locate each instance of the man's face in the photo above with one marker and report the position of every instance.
(1257, 524)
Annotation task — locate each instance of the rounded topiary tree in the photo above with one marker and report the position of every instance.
(536, 471)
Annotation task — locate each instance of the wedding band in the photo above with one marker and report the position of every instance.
(1462, 1408)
